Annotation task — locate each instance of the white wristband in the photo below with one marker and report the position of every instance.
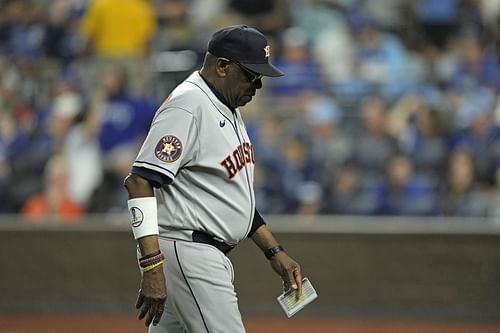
(143, 215)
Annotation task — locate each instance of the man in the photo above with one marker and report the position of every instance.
(191, 193)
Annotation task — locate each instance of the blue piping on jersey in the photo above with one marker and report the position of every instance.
(173, 175)
(235, 128)
(157, 179)
(250, 187)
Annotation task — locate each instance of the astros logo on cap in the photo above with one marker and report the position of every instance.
(168, 149)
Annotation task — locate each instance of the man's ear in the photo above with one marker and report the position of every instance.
(221, 66)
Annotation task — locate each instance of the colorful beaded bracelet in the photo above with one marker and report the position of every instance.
(152, 260)
(150, 267)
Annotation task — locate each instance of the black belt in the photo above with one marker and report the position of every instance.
(201, 237)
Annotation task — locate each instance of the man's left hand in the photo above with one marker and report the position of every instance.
(289, 270)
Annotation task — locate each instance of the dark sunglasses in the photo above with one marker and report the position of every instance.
(252, 76)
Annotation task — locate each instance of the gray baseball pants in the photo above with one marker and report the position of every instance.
(200, 290)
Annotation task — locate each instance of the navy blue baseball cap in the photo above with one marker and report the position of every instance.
(246, 46)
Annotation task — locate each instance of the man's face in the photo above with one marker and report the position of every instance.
(240, 84)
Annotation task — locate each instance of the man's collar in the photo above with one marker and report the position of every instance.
(217, 93)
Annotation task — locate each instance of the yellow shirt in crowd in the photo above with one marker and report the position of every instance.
(119, 27)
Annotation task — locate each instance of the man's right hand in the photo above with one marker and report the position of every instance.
(152, 296)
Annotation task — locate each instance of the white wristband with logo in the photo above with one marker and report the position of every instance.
(144, 217)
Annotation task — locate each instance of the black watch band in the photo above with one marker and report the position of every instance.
(269, 253)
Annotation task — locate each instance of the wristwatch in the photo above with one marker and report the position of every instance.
(269, 253)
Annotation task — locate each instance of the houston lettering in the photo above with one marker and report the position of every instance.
(235, 161)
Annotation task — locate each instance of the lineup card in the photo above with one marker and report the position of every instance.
(291, 305)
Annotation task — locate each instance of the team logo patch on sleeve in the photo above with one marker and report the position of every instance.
(168, 149)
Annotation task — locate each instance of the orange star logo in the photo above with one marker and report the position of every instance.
(168, 148)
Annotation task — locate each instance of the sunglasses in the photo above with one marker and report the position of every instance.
(252, 76)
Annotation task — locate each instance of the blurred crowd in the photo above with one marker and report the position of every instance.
(388, 107)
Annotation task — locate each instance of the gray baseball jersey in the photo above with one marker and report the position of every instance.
(202, 146)
(199, 143)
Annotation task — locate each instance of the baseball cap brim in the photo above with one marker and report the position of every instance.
(264, 69)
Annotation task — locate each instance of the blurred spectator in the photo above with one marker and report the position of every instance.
(119, 31)
(315, 17)
(53, 204)
(475, 69)
(472, 19)
(45, 137)
(17, 126)
(478, 134)
(496, 112)
(380, 57)
(80, 149)
(120, 122)
(347, 194)
(268, 189)
(461, 196)
(175, 31)
(309, 197)
(51, 126)
(206, 16)
(302, 72)
(121, 119)
(438, 19)
(65, 108)
(490, 11)
(389, 13)
(334, 50)
(105, 21)
(8, 137)
(433, 66)
(23, 30)
(428, 149)
(496, 34)
(298, 171)
(62, 39)
(418, 131)
(327, 36)
(373, 147)
(329, 145)
(265, 136)
(82, 79)
(268, 16)
(403, 193)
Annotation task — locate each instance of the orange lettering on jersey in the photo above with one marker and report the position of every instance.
(238, 156)
(228, 164)
(247, 152)
(252, 153)
(235, 161)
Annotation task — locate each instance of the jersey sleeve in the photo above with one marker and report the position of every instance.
(170, 144)
(257, 222)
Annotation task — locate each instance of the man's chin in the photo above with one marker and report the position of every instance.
(245, 100)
